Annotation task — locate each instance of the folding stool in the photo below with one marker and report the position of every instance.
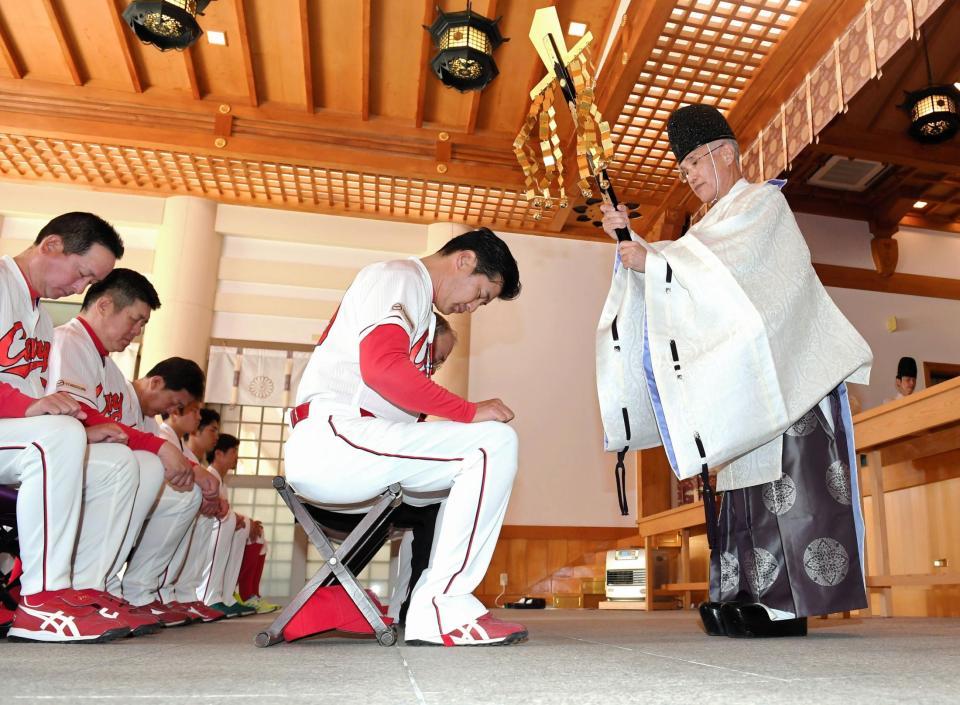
(339, 564)
(8, 538)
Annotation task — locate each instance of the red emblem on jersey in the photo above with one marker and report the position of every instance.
(113, 406)
(20, 355)
(416, 351)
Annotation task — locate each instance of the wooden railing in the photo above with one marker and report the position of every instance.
(908, 428)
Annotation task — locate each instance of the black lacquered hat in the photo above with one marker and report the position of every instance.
(694, 125)
(907, 367)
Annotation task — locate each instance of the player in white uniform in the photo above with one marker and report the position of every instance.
(251, 556)
(170, 385)
(42, 439)
(354, 430)
(113, 313)
(172, 592)
(208, 555)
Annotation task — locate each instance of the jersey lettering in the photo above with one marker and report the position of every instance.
(20, 355)
(113, 406)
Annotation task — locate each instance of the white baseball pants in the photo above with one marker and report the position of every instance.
(153, 558)
(187, 584)
(231, 573)
(109, 488)
(150, 472)
(344, 459)
(44, 455)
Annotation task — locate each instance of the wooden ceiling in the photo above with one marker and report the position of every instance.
(329, 106)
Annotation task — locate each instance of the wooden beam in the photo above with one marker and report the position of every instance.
(474, 111)
(853, 209)
(786, 67)
(247, 55)
(425, 46)
(365, 61)
(6, 48)
(389, 156)
(306, 56)
(919, 221)
(56, 23)
(123, 38)
(643, 25)
(889, 148)
(191, 70)
(869, 280)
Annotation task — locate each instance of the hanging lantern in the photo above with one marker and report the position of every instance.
(933, 113)
(167, 24)
(932, 110)
(466, 42)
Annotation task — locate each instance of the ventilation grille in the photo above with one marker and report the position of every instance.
(637, 576)
(846, 174)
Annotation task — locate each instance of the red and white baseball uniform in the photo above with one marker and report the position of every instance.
(354, 434)
(43, 454)
(81, 367)
(158, 558)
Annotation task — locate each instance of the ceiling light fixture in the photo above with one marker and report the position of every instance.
(919, 204)
(215, 37)
(577, 29)
(466, 42)
(933, 110)
(167, 24)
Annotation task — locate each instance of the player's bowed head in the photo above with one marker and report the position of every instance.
(472, 270)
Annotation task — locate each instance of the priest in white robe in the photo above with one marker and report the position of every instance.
(724, 347)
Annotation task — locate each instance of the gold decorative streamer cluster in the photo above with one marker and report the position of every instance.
(543, 164)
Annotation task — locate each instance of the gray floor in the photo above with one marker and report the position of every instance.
(572, 657)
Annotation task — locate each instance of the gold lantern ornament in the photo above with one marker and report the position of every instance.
(167, 24)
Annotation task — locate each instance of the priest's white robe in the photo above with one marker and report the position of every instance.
(741, 337)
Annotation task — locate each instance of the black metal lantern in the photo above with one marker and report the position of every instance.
(167, 24)
(466, 42)
(933, 113)
(933, 110)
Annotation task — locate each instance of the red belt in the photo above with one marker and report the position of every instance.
(299, 414)
(302, 412)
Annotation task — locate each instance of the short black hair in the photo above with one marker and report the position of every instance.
(126, 287)
(225, 443)
(494, 259)
(179, 373)
(207, 417)
(80, 231)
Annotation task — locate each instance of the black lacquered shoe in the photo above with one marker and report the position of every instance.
(752, 621)
(712, 621)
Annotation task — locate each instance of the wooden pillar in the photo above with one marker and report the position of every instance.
(685, 565)
(648, 559)
(880, 553)
(185, 266)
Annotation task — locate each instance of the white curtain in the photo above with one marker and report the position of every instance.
(254, 376)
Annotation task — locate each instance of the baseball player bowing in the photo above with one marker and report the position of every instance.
(355, 431)
(114, 312)
(43, 446)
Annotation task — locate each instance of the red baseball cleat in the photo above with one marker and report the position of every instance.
(167, 616)
(140, 623)
(484, 631)
(201, 611)
(65, 616)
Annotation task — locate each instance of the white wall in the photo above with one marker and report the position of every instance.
(926, 327)
(537, 354)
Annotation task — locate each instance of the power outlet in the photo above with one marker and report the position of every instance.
(503, 579)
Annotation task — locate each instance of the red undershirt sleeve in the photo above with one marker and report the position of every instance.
(13, 402)
(136, 440)
(386, 368)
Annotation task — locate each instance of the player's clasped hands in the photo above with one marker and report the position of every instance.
(493, 410)
(177, 470)
(59, 404)
(106, 433)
